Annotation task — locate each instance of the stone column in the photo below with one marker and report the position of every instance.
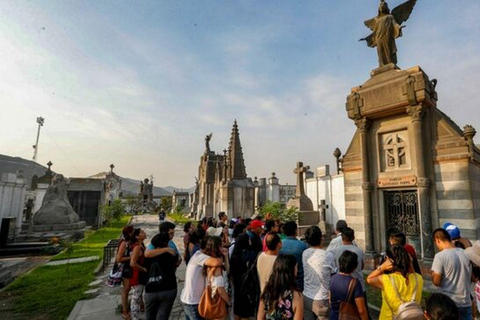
(363, 125)
(416, 113)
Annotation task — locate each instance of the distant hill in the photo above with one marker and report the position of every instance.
(130, 186)
(29, 168)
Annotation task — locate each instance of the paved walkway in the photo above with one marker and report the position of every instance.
(105, 302)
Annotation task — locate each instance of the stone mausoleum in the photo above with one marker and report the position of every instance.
(408, 166)
(223, 184)
(272, 190)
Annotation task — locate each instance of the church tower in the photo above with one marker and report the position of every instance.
(235, 156)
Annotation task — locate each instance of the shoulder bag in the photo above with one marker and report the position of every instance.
(211, 307)
(348, 310)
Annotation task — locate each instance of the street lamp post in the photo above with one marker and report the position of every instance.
(40, 122)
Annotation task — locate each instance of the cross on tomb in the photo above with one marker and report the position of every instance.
(323, 210)
(299, 170)
(49, 170)
(394, 151)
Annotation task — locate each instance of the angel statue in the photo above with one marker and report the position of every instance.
(207, 141)
(386, 28)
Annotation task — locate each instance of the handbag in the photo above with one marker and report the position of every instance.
(114, 278)
(211, 308)
(348, 310)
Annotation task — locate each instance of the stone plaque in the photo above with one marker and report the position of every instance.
(404, 181)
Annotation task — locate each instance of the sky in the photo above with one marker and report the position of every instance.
(141, 83)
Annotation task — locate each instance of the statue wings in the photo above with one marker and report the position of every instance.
(401, 13)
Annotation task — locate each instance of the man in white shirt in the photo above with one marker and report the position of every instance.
(195, 282)
(267, 259)
(318, 266)
(337, 241)
(348, 235)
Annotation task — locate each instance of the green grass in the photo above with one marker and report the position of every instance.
(93, 243)
(50, 292)
(179, 218)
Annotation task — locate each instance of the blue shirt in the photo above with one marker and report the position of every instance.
(171, 245)
(339, 292)
(293, 246)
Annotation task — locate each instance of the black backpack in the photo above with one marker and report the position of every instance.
(250, 288)
(155, 278)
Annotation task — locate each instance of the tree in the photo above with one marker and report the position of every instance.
(113, 211)
(166, 203)
(279, 211)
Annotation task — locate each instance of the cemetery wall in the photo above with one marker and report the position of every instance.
(12, 197)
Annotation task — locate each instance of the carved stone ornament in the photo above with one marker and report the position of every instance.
(363, 124)
(469, 132)
(416, 112)
(357, 104)
(395, 150)
(423, 182)
(412, 98)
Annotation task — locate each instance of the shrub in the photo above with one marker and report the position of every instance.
(279, 211)
(114, 211)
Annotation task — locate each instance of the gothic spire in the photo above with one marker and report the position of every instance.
(235, 156)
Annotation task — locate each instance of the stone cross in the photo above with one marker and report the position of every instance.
(323, 210)
(299, 170)
(49, 170)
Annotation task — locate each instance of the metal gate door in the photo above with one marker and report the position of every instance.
(401, 212)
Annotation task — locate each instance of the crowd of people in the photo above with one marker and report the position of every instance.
(246, 268)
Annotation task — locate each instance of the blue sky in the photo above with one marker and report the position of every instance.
(140, 83)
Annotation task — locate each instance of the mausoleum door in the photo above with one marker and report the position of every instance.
(401, 213)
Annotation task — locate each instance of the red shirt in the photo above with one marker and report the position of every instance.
(135, 279)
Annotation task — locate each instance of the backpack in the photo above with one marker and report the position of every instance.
(250, 288)
(408, 310)
(155, 279)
